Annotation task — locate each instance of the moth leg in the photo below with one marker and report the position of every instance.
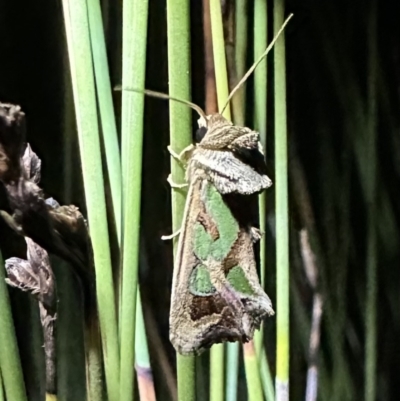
(182, 156)
(173, 235)
(174, 184)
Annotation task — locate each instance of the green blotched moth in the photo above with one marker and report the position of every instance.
(216, 294)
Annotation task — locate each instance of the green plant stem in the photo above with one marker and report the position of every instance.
(239, 101)
(10, 365)
(106, 108)
(80, 56)
(239, 110)
(94, 371)
(217, 372)
(221, 79)
(260, 125)
(254, 388)
(372, 257)
(266, 376)
(142, 358)
(178, 29)
(134, 34)
(241, 37)
(281, 202)
(232, 371)
(260, 75)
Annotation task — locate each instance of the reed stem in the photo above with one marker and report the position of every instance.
(282, 220)
(178, 26)
(134, 36)
(221, 80)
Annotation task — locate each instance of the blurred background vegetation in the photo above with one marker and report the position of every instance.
(343, 82)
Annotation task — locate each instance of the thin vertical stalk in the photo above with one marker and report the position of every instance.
(240, 59)
(232, 371)
(260, 43)
(142, 363)
(134, 35)
(254, 388)
(239, 110)
(370, 313)
(281, 202)
(217, 351)
(106, 108)
(232, 349)
(241, 36)
(178, 29)
(210, 93)
(142, 358)
(78, 38)
(217, 372)
(311, 271)
(260, 77)
(266, 377)
(260, 124)
(10, 365)
(221, 77)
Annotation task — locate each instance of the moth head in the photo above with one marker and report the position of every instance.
(218, 133)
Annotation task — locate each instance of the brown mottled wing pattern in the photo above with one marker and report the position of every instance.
(228, 173)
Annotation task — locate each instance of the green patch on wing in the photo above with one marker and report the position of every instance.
(200, 282)
(204, 245)
(238, 281)
(202, 242)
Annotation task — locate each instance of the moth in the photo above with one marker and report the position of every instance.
(216, 293)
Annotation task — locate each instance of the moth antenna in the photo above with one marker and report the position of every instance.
(254, 66)
(161, 95)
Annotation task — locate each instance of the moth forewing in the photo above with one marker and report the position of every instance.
(226, 153)
(181, 252)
